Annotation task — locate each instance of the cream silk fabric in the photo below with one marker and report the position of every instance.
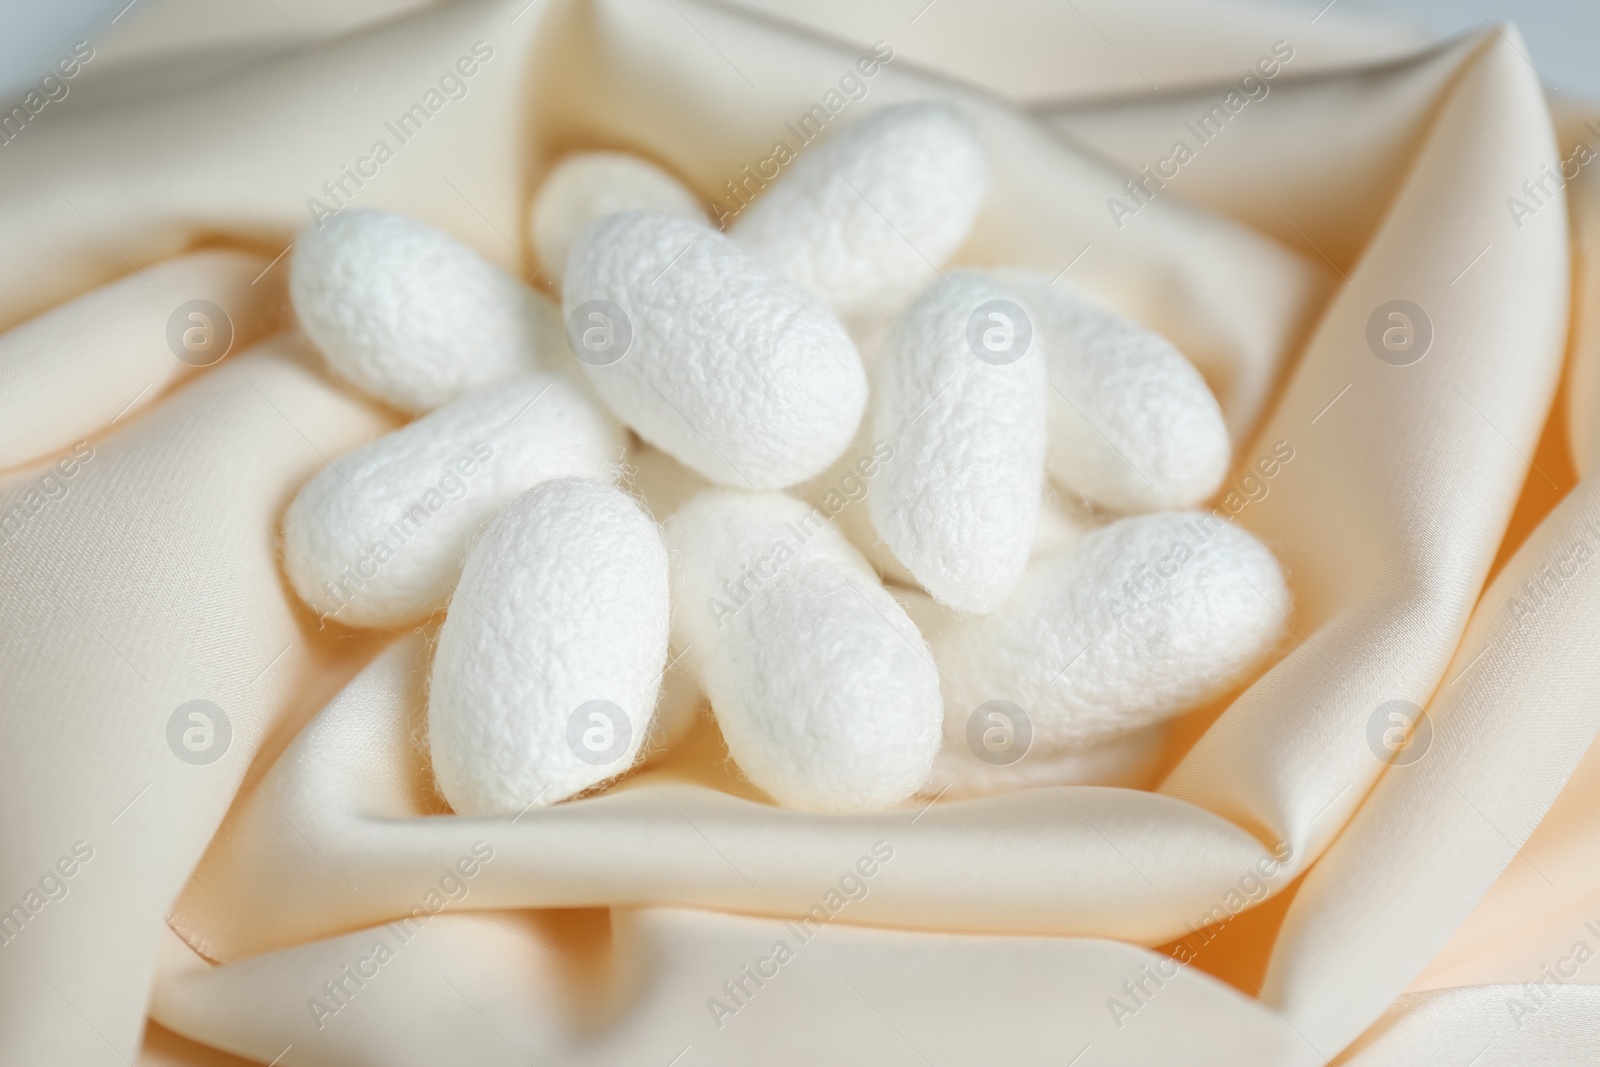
(1422, 505)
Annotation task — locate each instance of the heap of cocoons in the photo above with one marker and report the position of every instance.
(549, 661)
(731, 369)
(408, 314)
(1142, 619)
(589, 185)
(1031, 471)
(959, 503)
(826, 693)
(1133, 426)
(857, 219)
(378, 538)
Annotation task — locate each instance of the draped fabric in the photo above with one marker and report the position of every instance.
(1280, 894)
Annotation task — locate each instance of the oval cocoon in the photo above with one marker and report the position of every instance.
(728, 367)
(378, 537)
(961, 397)
(862, 219)
(549, 661)
(1139, 621)
(825, 692)
(1133, 425)
(408, 314)
(588, 185)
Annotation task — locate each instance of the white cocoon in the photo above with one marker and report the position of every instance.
(377, 538)
(825, 692)
(854, 217)
(562, 604)
(1133, 425)
(585, 186)
(968, 766)
(1141, 620)
(410, 315)
(842, 490)
(959, 502)
(731, 369)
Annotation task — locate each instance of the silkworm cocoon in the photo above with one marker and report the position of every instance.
(1139, 621)
(842, 491)
(410, 315)
(994, 753)
(583, 187)
(549, 660)
(718, 361)
(858, 219)
(825, 692)
(377, 538)
(961, 395)
(1133, 425)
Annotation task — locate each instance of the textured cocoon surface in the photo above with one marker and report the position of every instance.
(959, 503)
(825, 692)
(1139, 621)
(843, 489)
(377, 538)
(965, 768)
(563, 601)
(1133, 425)
(408, 314)
(733, 370)
(854, 217)
(585, 186)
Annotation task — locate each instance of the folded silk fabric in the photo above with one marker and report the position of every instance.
(1280, 894)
